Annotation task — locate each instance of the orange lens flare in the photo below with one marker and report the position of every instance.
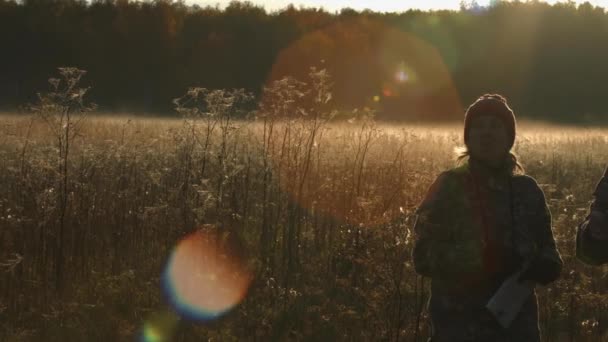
(397, 73)
(205, 277)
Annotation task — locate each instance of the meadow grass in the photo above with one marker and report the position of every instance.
(324, 221)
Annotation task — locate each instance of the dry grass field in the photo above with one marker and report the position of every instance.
(315, 218)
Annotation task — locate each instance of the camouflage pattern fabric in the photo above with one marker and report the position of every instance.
(592, 235)
(472, 232)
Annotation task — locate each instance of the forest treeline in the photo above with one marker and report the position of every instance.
(549, 60)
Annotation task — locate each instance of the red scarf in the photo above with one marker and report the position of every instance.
(491, 249)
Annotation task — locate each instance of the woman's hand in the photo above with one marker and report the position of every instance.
(541, 270)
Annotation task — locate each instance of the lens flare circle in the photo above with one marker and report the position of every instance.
(205, 276)
(152, 335)
(159, 327)
(397, 73)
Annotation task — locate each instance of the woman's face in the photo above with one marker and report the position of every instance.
(488, 140)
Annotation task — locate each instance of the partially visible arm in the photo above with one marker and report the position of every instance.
(428, 228)
(546, 243)
(547, 265)
(592, 235)
(423, 246)
(589, 249)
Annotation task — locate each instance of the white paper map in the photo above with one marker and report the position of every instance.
(509, 299)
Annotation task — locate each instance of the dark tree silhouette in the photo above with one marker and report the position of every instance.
(548, 59)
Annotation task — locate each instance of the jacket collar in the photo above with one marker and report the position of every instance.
(489, 177)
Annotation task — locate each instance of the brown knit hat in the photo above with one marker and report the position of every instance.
(491, 104)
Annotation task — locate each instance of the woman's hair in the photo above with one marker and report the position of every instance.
(513, 165)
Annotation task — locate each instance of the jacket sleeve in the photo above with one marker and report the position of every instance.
(428, 228)
(545, 242)
(592, 234)
(588, 249)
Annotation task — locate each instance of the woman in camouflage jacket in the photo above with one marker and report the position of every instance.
(479, 224)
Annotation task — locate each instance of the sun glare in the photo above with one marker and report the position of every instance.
(378, 5)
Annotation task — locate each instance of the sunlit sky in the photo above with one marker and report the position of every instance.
(375, 5)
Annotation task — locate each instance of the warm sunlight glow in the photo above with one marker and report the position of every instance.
(377, 5)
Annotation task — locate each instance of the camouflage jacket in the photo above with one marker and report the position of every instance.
(592, 235)
(472, 232)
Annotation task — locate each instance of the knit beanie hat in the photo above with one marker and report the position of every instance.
(491, 104)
